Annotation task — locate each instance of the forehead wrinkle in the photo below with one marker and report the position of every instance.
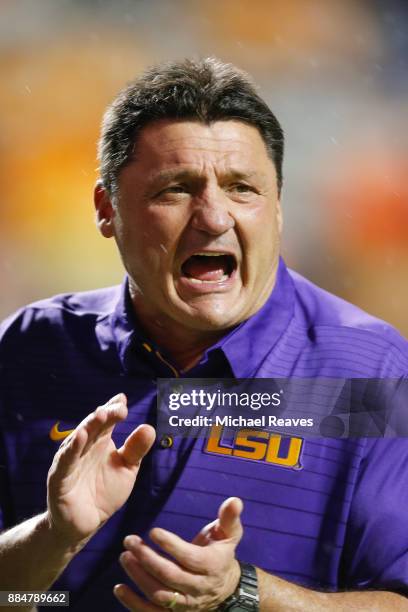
(208, 143)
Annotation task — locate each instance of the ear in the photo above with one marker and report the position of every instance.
(279, 216)
(105, 211)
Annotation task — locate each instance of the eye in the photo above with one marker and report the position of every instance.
(175, 189)
(178, 189)
(241, 188)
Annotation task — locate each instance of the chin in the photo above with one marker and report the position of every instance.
(204, 320)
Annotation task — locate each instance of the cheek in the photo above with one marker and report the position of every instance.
(259, 228)
(152, 259)
(142, 251)
(148, 244)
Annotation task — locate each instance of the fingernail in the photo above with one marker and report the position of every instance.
(157, 532)
(116, 398)
(131, 541)
(125, 557)
(119, 590)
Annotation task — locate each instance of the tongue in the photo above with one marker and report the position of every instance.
(206, 268)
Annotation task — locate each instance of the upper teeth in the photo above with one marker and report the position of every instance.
(210, 254)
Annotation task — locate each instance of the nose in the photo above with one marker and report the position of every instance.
(212, 217)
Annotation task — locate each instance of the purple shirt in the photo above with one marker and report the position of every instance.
(340, 522)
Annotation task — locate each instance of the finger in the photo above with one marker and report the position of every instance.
(106, 413)
(164, 570)
(120, 397)
(131, 601)
(188, 555)
(102, 421)
(137, 444)
(67, 456)
(72, 447)
(157, 592)
(88, 423)
(205, 536)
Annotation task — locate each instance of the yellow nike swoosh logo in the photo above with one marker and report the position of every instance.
(56, 434)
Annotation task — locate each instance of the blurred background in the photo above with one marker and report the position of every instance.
(334, 72)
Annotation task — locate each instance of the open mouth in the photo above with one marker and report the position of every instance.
(209, 267)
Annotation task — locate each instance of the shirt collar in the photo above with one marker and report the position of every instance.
(125, 328)
(244, 347)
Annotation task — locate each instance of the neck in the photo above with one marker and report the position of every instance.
(185, 350)
(185, 347)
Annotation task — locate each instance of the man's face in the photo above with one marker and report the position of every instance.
(197, 221)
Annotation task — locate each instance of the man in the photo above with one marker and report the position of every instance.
(191, 172)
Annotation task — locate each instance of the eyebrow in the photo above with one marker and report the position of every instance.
(164, 176)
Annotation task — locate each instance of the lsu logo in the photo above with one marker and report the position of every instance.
(257, 445)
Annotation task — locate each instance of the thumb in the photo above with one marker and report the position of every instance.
(137, 445)
(229, 521)
(227, 526)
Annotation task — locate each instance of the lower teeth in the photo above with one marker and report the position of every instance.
(223, 278)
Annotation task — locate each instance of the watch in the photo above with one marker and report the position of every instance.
(245, 596)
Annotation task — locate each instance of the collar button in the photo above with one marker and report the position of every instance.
(166, 441)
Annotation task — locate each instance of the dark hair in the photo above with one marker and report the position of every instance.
(207, 90)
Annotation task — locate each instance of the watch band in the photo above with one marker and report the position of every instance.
(246, 596)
